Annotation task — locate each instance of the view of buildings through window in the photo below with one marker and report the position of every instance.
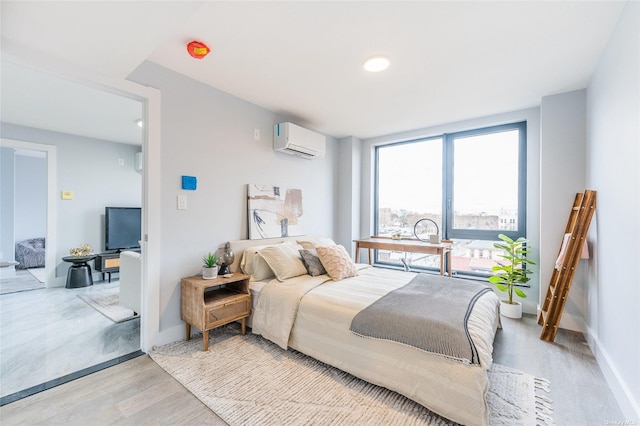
(468, 183)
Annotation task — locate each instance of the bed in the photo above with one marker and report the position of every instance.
(319, 325)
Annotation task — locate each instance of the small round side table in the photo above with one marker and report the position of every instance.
(79, 273)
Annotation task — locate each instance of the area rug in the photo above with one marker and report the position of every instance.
(247, 380)
(107, 302)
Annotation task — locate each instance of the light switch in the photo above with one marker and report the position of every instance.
(182, 202)
(256, 134)
(67, 195)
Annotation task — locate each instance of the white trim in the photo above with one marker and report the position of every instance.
(50, 151)
(151, 225)
(625, 398)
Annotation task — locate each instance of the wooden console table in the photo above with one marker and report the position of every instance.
(109, 262)
(411, 246)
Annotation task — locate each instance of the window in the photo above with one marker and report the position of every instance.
(472, 184)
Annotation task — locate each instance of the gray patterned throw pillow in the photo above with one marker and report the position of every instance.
(312, 262)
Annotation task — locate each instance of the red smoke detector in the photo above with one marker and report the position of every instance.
(198, 49)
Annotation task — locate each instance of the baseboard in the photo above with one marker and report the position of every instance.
(629, 406)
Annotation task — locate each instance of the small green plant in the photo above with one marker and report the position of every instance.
(210, 260)
(514, 271)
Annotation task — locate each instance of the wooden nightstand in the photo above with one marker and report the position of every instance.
(207, 304)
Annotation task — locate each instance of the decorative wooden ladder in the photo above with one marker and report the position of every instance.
(582, 211)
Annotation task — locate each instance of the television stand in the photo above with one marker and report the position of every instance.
(109, 262)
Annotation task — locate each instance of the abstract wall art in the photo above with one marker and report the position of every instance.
(274, 211)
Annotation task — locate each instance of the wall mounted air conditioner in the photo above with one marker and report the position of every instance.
(295, 140)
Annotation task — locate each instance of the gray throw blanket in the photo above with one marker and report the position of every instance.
(430, 313)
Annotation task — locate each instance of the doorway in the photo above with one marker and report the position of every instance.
(51, 335)
(25, 252)
(12, 204)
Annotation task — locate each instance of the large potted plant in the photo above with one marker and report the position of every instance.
(512, 272)
(210, 267)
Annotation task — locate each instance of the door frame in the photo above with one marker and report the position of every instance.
(51, 234)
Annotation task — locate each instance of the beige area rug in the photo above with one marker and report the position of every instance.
(107, 302)
(247, 380)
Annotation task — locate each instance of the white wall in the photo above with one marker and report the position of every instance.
(209, 134)
(349, 189)
(7, 190)
(562, 175)
(90, 168)
(531, 116)
(30, 197)
(613, 169)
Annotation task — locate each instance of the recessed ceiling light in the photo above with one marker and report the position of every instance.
(376, 64)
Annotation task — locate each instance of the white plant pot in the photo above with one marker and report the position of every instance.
(210, 273)
(511, 310)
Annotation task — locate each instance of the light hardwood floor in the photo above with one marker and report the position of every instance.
(139, 392)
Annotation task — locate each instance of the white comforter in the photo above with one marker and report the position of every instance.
(313, 315)
(277, 306)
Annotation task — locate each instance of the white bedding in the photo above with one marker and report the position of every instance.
(319, 326)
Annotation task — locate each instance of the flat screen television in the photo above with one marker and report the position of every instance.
(123, 228)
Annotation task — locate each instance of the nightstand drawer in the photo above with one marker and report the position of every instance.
(227, 312)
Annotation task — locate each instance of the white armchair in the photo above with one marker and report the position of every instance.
(131, 280)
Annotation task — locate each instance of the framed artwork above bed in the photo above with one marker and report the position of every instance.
(274, 211)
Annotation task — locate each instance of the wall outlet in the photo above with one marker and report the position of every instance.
(256, 134)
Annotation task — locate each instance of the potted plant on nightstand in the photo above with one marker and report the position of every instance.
(514, 271)
(210, 267)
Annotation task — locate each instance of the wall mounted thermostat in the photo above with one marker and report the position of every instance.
(189, 182)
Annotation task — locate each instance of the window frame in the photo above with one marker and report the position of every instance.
(376, 184)
(484, 234)
(448, 232)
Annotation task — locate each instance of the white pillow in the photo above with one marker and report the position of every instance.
(254, 265)
(313, 242)
(284, 260)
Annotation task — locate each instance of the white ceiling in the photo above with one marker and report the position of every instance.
(36, 99)
(450, 60)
